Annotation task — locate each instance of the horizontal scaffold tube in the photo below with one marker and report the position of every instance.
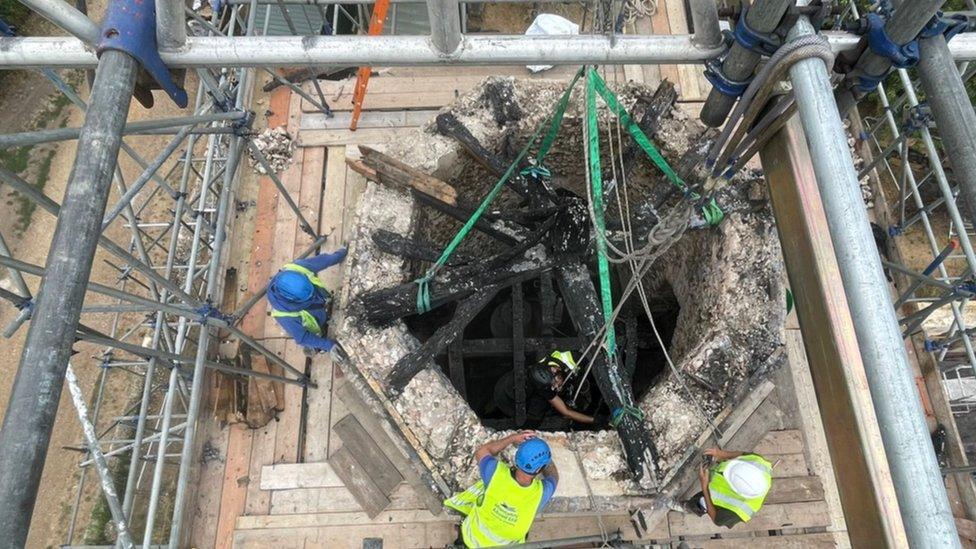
(294, 51)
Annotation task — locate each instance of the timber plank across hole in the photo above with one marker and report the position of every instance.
(368, 454)
(360, 482)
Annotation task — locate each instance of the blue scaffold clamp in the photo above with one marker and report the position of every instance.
(901, 56)
(130, 27)
(757, 42)
(948, 26)
(715, 74)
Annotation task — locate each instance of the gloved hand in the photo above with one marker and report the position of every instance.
(343, 252)
(601, 421)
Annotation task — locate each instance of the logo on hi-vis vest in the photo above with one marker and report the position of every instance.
(505, 513)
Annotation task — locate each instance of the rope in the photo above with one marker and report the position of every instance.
(618, 414)
(637, 9)
(423, 290)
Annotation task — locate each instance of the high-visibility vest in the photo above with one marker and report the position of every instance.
(500, 513)
(724, 496)
(308, 320)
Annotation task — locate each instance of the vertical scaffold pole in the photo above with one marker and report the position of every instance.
(914, 469)
(33, 404)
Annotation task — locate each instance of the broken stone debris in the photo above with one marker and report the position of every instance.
(277, 146)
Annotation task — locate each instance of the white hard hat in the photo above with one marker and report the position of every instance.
(748, 480)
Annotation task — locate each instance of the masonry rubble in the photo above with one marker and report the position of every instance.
(278, 148)
(729, 282)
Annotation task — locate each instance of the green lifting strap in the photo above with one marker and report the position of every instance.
(423, 290)
(711, 212)
(596, 184)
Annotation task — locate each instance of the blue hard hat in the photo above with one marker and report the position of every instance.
(532, 455)
(293, 286)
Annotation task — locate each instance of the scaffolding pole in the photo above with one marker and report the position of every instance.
(33, 403)
(915, 471)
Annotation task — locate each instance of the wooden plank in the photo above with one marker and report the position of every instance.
(365, 136)
(359, 481)
(367, 416)
(815, 439)
(368, 119)
(289, 476)
(360, 444)
(661, 25)
(393, 172)
(262, 453)
(204, 517)
(355, 186)
(401, 85)
(289, 419)
(236, 479)
(791, 541)
(794, 489)
(336, 499)
(431, 99)
(809, 514)
(789, 441)
(788, 465)
(966, 529)
(395, 536)
(689, 76)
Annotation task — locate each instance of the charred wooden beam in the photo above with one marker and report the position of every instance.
(455, 364)
(389, 171)
(393, 243)
(503, 346)
(382, 307)
(448, 125)
(518, 352)
(462, 216)
(412, 364)
(583, 304)
(659, 105)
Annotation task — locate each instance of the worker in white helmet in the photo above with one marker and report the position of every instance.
(734, 486)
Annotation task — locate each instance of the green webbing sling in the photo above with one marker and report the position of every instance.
(710, 210)
(423, 292)
(596, 183)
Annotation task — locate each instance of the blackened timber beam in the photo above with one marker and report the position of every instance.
(462, 216)
(448, 125)
(384, 306)
(412, 364)
(518, 352)
(409, 248)
(655, 109)
(504, 346)
(583, 304)
(455, 364)
(547, 298)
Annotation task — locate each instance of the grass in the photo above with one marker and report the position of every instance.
(101, 516)
(35, 159)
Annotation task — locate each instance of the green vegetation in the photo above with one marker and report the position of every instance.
(96, 531)
(35, 162)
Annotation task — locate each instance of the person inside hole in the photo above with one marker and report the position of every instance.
(544, 382)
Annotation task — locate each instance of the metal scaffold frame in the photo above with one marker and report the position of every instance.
(171, 267)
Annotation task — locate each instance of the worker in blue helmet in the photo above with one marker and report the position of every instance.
(501, 507)
(299, 300)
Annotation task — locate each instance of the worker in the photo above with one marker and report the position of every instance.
(299, 300)
(499, 508)
(544, 380)
(734, 486)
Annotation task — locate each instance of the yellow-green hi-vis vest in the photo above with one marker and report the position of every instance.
(725, 497)
(498, 514)
(308, 321)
